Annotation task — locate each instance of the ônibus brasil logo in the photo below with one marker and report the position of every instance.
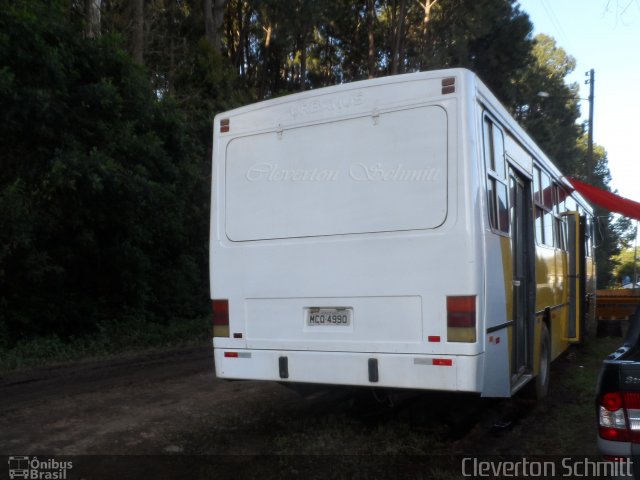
(33, 468)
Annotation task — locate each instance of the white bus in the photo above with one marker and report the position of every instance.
(401, 232)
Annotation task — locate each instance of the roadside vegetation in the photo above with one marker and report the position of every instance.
(106, 139)
(115, 338)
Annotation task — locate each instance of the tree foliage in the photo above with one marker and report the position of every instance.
(102, 214)
(627, 265)
(106, 128)
(547, 107)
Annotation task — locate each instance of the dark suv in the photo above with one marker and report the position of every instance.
(618, 399)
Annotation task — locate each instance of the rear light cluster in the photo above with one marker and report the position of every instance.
(619, 417)
(220, 318)
(461, 319)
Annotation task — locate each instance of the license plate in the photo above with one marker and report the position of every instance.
(329, 317)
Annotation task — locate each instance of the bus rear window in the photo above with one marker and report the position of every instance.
(385, 172)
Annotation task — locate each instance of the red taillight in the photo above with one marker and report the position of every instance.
(619, 417)
(231, 354)
(461, 319)
(220, 318)
(225, 125)
(220, 312)
(614, 434)
(461, 312)
(611, 401)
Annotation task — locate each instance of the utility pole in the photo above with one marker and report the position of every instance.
(591, 83)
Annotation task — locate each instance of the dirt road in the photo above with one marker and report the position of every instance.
(134, 405)
(169, 405)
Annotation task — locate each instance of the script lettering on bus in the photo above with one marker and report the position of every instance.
(271, 172)
(362, 172)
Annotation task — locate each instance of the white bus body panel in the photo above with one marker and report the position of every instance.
(362, 196)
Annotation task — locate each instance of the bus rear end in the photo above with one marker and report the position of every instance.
(341, 252)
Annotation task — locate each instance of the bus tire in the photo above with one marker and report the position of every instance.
(541, 382)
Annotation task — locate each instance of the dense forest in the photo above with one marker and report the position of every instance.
(106, 130)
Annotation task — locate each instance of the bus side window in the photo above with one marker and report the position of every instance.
(560, 233)
(538, 210)
(548, 229)
(537, 198)
(495, 162)
(491, 202)
(503, 208)
(559, 194)
(547, 195)
(498, 152)
(588, 237)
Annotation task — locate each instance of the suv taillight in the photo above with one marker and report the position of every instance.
(220, 318)
(461, 319)
(619, 417)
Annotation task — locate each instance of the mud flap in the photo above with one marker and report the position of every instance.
(496, 371)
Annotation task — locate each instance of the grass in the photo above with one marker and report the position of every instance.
(111, 339)
(332, 433)
(563, 423)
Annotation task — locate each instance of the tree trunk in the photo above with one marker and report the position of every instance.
(303, 62)
(137, 36)
(93, 13)
(234, 35)
(268, 30)
(397, 43)
(208, 22)
(426, 6)
(219, 7)
(213, 21)
(371, 55)
(246, 55)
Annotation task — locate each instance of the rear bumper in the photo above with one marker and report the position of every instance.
(416, 371)
(614, 449)
(630, 451)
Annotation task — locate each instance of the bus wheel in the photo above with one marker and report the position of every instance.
(544, 364)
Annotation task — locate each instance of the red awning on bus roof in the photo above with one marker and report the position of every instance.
(607, 200)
